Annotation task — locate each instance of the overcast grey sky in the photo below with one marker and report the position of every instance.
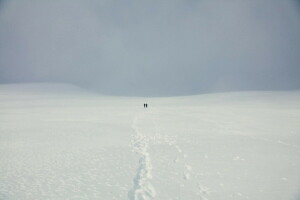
(152, 47)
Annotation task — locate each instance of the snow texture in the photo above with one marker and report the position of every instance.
(59, 142)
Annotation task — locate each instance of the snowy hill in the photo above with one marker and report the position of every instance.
(39, 89)
(60, 142)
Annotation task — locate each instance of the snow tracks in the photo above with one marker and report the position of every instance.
(142, 189)
(142, 143)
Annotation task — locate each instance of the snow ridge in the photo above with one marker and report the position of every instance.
(142, 189)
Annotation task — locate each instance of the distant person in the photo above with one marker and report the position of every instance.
(146, 105)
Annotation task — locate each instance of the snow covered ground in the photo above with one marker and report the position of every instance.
(59, 142)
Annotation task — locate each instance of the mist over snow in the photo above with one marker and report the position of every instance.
(155, 47)
(75, 74)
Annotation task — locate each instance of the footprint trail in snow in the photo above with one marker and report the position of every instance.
(140, 143)
(142, 189)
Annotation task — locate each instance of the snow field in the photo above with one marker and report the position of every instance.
(77, 145)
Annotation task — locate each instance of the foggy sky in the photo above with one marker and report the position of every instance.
(155, 47)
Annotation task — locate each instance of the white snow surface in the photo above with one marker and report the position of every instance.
(58, 142)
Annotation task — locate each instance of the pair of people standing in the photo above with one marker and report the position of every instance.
(145, 105)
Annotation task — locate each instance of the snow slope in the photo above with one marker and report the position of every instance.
(59, 142)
